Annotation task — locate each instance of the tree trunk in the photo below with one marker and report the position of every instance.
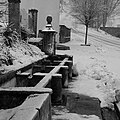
(104, 19)
(86, 34)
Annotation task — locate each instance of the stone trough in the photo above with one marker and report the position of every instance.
(28, 92)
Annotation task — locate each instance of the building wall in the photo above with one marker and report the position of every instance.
(45, 8)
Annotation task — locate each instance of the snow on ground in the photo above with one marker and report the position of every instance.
(98, 66)
(21, 55)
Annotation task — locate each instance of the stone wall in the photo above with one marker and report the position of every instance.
(114, 31)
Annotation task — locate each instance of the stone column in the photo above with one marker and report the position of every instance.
(14, 14)
(33, 20)
(49, 38)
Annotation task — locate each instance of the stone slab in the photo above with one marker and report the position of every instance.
(30, 109)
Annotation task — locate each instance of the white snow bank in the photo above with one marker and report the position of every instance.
(95, 80)
(104, 81)
(21, 55)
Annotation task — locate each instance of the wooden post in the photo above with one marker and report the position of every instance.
(69, 64)
(56, 85)
(64, 72)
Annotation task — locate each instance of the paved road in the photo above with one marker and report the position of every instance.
(102, 39)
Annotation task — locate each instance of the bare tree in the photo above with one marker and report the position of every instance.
(111, 9)
(61, 5)
(64, 5)
(86, 11)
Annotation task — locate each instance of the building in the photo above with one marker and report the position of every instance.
(45, 8)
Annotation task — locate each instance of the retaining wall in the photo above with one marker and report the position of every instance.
(114, 31)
